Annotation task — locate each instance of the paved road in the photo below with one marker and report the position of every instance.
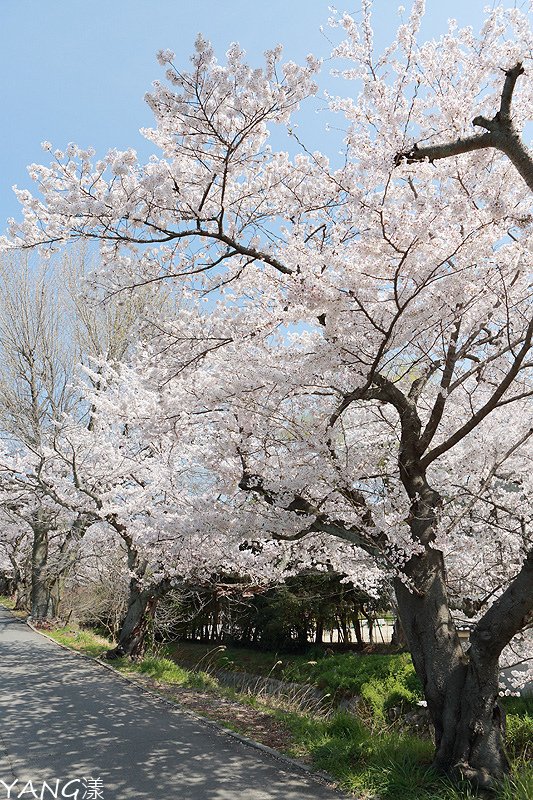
(63, 718)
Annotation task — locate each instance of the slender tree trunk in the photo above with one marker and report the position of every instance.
(370, 624)
(302, 632)
(357, 628)
(19, 586)
(398, 636)
(346, 637)
(215, 621)
(66, 559)
(21, 595)
(56, 595)
(18, 599)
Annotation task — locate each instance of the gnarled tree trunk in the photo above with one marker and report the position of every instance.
(132, 639)
(461, 689)
(142, 603)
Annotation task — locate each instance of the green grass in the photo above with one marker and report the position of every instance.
(347, 674)
(83, 640)
(383, 681)
(387, 765)
(158, 667)
(519, 736)
(164, 670)
(373, 762)
(7, 602)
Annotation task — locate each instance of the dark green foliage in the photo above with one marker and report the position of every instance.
(284, 618)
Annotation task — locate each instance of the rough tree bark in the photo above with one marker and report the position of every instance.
(132, 638)
(142, 602)
(40, 589)
(462, 690)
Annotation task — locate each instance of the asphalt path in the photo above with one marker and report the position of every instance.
(85, 731)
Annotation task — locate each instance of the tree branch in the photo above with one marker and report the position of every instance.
(508, 615)
(489, 406)
(501, 134)
(355, 534)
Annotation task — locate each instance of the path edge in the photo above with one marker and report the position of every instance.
(320, 777)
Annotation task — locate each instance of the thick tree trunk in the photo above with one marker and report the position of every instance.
(461, 691)
(40, 591)
(479, 751)
(142, 603)
(132, 639)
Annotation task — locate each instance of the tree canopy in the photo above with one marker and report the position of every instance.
(335, 366)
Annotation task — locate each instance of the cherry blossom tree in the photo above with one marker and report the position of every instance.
(368, 354)
(15, 554)
(152, 487)
(44, 333)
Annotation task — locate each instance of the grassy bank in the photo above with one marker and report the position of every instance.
(158, 668)
(382, 681)
(388, 764)
(369, 756)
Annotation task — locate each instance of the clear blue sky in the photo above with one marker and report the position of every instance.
(77, 70)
